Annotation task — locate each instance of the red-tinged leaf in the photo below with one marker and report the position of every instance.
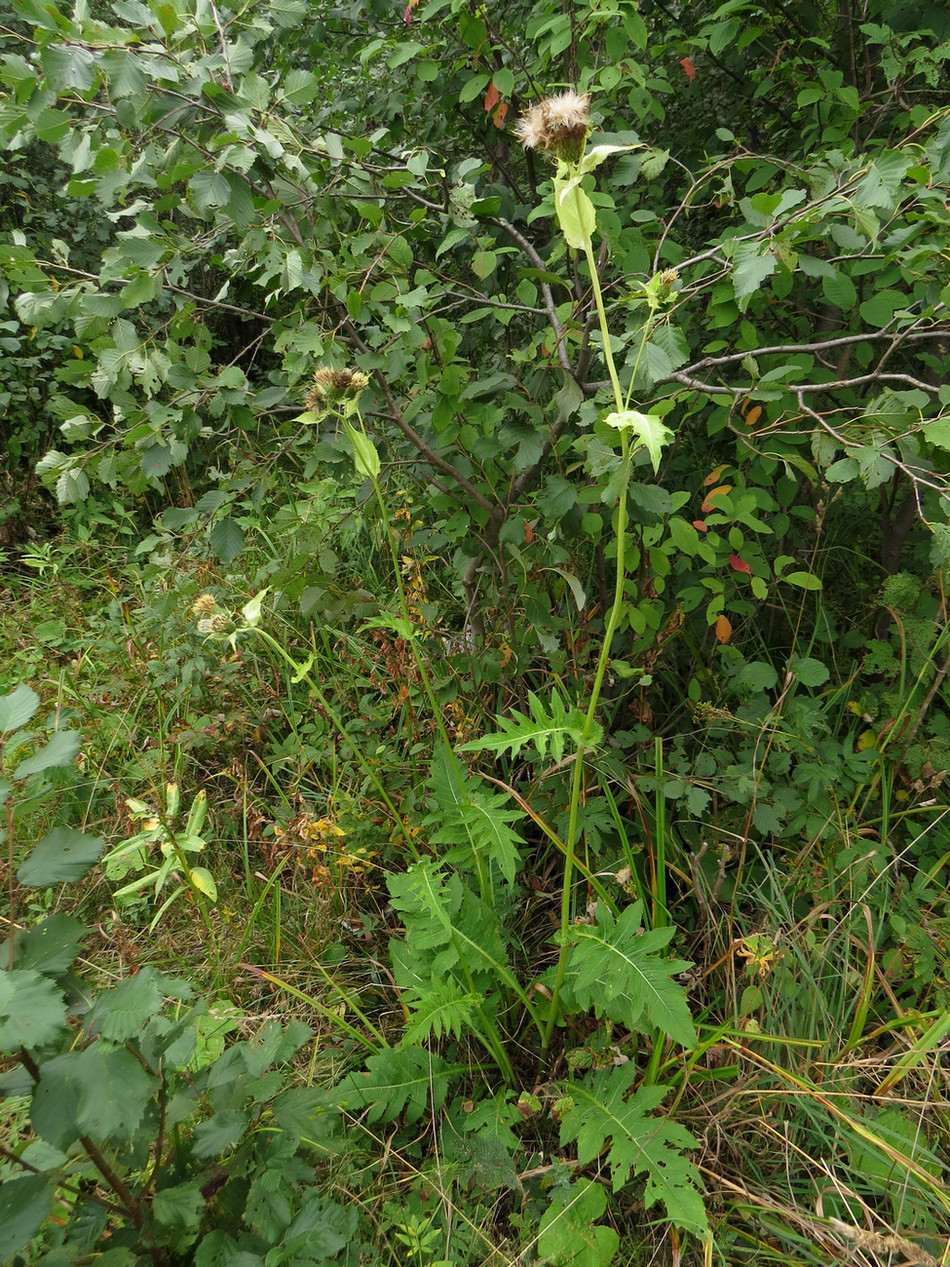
(709, 500)
(687, 64)
(409, 8)
(739, 565)
(714, 476)
(723, 629)
(491, 97)
(700, 525)
(528, 533)
(498, 118)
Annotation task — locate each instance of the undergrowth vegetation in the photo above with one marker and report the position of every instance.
(473, 707)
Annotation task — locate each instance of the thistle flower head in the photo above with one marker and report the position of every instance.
(217, 623)
(204, 605)
(335, 389)
(558, 125)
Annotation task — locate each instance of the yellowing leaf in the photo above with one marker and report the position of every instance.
(652, 433)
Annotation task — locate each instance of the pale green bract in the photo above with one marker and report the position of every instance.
(575, 211)
(649, 429)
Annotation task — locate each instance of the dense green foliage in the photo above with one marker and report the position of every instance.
(504, 606)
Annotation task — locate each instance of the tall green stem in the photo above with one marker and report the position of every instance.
(613, 621)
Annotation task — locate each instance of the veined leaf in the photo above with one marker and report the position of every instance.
(547, 730)
(17, 708)
(32, 1010)
(602, 1117)
(649, 429)
(473, 819)
(616, 968)
(410, 1081)
(441, 1007)
(62, 856)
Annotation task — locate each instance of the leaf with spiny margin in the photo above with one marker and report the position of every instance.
(51, 946)
(32, 1010)
(615, 967)
(473, 819)
(439, 1007)
(409, 1081)
(639, 1143)
(546, 729)
(445, 922)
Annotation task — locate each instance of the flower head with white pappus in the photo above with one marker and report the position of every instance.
(557, 125)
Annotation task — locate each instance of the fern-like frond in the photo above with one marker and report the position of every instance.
(597, 1114)
(471, 820)
(546, 729)
(438, 1007)
(617, 969)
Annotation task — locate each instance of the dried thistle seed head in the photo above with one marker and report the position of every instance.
(218, 623)
(557, 125)
(204, 605)
(334, 387)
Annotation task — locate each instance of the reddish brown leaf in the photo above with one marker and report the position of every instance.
(687, 64)
(721, 491)
(491, 97)
(739, 565)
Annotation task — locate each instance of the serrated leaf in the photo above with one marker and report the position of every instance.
(121, 1013)
(61, 857)
(410, 1081)
(51, 946)
(59, 751)
(25, 1204)
(547, 730)
(638, 1143)
(217, 1249)
(179, 1207)
(809, 671)
(17, 708)
(617, 969)
(220, 1132)
(32, 1010)
(441, 1007)
(226, 540)
(473, 818)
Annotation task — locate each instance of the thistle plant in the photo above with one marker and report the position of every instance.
(559, 127)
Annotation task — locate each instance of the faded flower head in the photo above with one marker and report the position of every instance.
(204, 605)
(335, 389)
(557, 125)
(218, 622)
